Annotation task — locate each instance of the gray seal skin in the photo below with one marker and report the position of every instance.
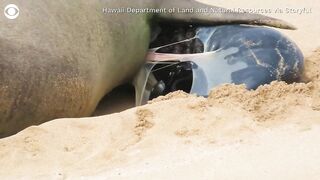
(59, 58)
(267, 54)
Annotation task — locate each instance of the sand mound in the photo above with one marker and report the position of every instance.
(233, 128)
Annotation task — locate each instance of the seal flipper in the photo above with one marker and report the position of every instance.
(221, 16)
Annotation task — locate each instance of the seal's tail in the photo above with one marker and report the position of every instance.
(212, 15)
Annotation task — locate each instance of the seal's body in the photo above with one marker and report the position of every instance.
(59, 58)
(198, 59)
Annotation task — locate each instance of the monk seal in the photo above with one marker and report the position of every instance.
(198, 59)
(59, 58)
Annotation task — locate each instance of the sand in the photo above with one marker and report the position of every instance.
(270, 133)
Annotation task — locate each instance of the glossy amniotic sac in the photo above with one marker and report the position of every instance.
(224, 54)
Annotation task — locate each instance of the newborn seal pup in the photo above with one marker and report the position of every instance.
(59, 58)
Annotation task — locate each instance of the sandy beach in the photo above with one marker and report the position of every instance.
(270, 133)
